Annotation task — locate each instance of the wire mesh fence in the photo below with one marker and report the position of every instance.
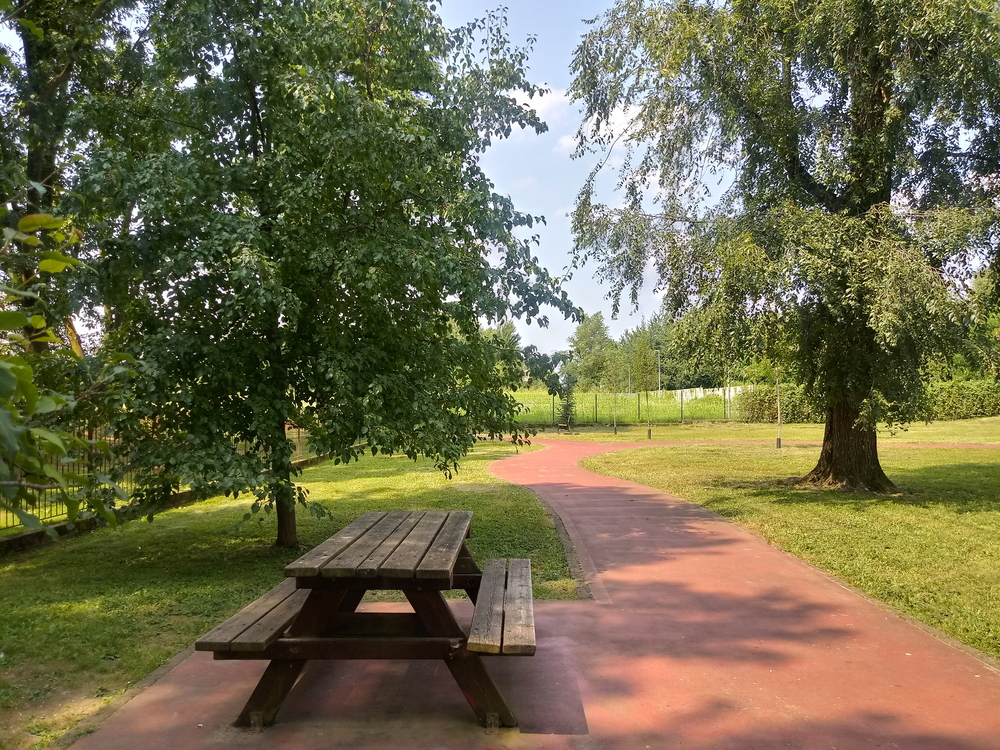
(660, 407)
(49, 507)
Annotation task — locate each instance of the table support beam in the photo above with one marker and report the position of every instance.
(467, 668)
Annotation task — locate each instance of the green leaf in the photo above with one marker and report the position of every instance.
(8, 382)
(28, 520)
(50, 437)
(33, 28)
(51, 265)
(11, 320)
(38, 321)
(72, 507)
(34, 222)
(53, 473)
(46, 405)
(17, 292)
(10, 435)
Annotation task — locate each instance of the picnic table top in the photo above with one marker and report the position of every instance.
(403, 545)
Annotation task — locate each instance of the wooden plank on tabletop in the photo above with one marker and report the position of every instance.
(404, 561)
(370, 567)
(439, 562)
(220, 637)
(487, 620)
(311, 562)
(345, 564)
(519, 613)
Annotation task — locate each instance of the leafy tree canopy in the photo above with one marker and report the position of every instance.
(589, 344)
(861, 142)
(295, 228)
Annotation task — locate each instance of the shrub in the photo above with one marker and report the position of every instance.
(760, 404)
(964, 399)
(945, 400)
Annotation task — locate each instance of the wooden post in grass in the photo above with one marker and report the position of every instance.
(777, 393)
(595, 410)
(681, 393)
(638, 406)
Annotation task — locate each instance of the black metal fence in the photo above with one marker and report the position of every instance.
(49, 507)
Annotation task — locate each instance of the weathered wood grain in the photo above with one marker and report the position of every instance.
(370, 567)
(519, 613)
(313, 561)
(487, 620)
(404, 561)
(345, 564)
(439, 562)
(268, 628)
(220, 637)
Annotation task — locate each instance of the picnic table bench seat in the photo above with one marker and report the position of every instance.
(504, 620)
(259, 624)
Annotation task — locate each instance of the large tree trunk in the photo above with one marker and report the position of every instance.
(288, 534)
(849, 458)
(284, 498)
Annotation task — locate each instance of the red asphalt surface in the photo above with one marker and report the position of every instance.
(699, 636)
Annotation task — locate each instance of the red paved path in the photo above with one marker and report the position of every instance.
(701, 637)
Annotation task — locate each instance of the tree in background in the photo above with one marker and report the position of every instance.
(616, 377)
(863, 143)
(297, 229)
(589, 346)
(638, 345)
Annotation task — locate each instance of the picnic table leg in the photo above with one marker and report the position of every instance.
(282, 674)
(466, 667)
(467, 564)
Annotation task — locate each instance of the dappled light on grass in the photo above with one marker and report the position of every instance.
(101, 611)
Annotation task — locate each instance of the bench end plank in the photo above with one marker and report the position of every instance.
(487, 621)
(519, 613)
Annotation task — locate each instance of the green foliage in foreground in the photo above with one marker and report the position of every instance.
(85, 618)
(930, 551)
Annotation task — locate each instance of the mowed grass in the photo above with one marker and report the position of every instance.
(984, 431)
(84, 619)
(932, 550)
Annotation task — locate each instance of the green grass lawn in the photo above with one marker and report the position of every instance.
(984, 431)
(932, 550)
(662, 406)
(83, 619)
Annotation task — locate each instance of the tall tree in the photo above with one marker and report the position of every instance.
(303, 235)
(589, 345)
(862, 141)
(52, 55)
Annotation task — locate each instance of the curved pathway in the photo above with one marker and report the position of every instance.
(705, 636)
(699, 636)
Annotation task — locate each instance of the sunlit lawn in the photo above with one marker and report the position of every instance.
(932, 550)
(985, 431)
(83, 619)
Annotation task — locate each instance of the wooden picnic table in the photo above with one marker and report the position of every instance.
(311, 615)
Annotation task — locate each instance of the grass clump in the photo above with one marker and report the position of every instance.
(932, 550)
(85, 618)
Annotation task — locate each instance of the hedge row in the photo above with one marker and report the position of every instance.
(946, 400)
(965, 399)
(760, 404)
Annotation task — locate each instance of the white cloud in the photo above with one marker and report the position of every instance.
(552, 107)
(566, 145)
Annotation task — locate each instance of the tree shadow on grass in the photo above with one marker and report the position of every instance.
(965, 487)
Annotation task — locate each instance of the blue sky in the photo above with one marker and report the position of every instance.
(537, 171)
